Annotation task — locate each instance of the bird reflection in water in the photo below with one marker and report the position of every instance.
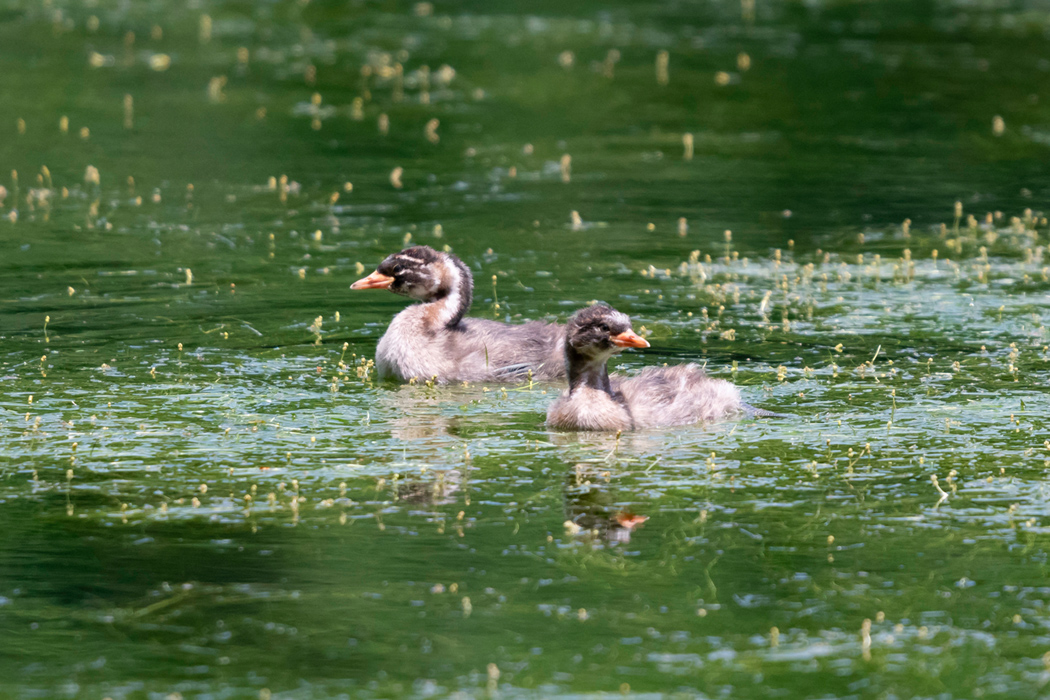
(590, 508)
(439, 490)
(429, 479)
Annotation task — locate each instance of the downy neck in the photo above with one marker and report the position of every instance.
(587, 372)
(454, 296)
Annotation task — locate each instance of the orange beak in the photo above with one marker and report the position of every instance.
(373, 281)
(629, 339)
(629, 521)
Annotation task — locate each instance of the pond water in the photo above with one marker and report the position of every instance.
(206, 493)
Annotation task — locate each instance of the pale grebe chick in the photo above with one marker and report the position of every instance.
(656, 397)
(434, 340)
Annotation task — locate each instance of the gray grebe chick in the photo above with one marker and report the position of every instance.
(434, 340)
(657, 397)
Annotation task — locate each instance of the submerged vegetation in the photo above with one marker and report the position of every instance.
(206, 491)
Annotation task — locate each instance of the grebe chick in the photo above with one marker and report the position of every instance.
(434, 340)
(657, 397)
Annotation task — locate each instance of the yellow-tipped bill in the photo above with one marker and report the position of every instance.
(373, 281)
(629, 339)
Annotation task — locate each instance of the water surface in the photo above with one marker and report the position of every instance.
(206, 493)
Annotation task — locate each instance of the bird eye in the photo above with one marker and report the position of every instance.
(604, 327)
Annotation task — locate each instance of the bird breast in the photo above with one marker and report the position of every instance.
(588, 409)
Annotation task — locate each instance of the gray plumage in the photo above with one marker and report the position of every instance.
(656, 397)
(434, 340)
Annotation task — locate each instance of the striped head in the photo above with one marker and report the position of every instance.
(426, 275)
(415, 272)
(600, 331)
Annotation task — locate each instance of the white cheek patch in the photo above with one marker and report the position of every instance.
(424, 287)
(423, 290)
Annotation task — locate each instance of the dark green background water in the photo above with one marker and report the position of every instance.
(416, 542)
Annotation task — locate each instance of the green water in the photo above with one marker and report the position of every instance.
(197, 499)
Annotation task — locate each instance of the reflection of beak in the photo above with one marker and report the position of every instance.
(630, 521)
(373, 281)
(629, 339)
